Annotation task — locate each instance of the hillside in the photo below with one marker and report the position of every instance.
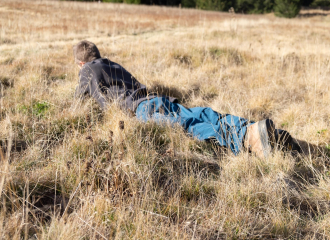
(73, 172)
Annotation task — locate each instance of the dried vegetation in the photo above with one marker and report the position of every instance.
(73, 172)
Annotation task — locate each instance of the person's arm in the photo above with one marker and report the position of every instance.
(83, 85)
(97, 94)
(88, 86)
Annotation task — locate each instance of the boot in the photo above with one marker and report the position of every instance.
(308, 149)
(259, 137)
(285, 142)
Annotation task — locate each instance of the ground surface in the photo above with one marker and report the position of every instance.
(72, 173)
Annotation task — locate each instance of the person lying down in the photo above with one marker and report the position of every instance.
(107, 81)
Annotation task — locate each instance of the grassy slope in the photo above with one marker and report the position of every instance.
(150, 181)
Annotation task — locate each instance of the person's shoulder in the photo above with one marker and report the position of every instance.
(116, 66)
(104, 64)
(101, 63)
(93, 66)
(95, 63)
(112, 64)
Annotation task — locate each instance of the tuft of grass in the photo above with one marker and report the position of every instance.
(8, 61)
(7, 82)
(37, 108)
(231, 56)
(40, 108)
(7, 41)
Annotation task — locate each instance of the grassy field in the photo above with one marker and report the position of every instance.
(71, 172)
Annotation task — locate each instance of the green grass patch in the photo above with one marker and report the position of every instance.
(37, 108)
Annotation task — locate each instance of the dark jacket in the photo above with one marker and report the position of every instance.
(107, 81)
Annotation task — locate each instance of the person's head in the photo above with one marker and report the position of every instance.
(84, 52)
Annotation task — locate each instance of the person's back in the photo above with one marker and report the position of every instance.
(108, 81)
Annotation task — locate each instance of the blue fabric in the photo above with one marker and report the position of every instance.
(202, 123)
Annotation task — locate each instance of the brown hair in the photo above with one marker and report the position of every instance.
(85, 51)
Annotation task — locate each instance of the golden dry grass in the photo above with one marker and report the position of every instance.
(75, 181)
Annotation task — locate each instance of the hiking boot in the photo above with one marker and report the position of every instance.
(286, 142)
(259, 137)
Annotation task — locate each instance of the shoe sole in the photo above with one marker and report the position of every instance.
(266, 130)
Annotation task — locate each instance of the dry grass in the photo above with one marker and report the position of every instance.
(75, 180)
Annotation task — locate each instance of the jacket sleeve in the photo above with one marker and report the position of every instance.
(83, 87)
(88, 86)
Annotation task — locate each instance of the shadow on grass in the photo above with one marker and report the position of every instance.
(16, 145)
(184, 96)
(308, 15)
